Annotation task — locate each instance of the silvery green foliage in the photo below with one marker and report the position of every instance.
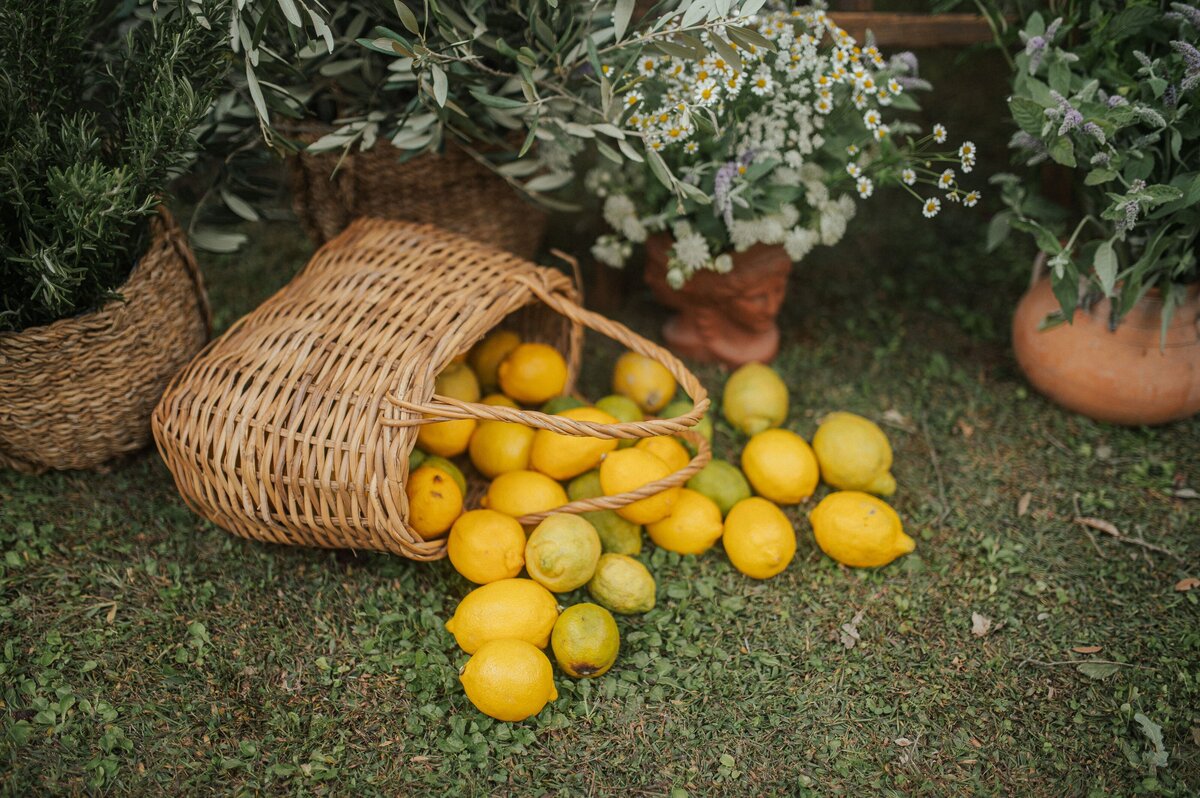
(1120, 109)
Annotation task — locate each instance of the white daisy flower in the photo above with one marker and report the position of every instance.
(908, 176)
(853, 170)
(946, 180)
(647, 66)
(691, 148)
(967, 151)
(762, 84)
(865, 187)
(633, 98)
(931, 207)
(882, 132)
(894, 86)
(823, 106)
(939, 133)
(860, 100)
(971, 198)
(732, 83)
(852, 150)
(872, 119)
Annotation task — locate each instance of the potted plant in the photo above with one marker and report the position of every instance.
(100, 298)
(1119, 109)
(447, 112)
(771, 136)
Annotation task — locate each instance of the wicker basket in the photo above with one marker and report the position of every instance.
(296, 425)
(80, 391)
(451, 190)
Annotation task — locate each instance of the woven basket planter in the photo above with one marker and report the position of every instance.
(80, 391)
(451, 190)
(295, 426)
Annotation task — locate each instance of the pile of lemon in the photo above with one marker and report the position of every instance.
(513, 614)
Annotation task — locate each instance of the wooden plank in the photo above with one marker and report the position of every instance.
(915, 30)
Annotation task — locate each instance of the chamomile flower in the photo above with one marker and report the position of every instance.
(908, 176)
(852, 150)
(865, 187)
(634, 120)
(732, 83)
(931, 207)
(676, 132)
(882, 97)
(606, 70)
(971, 199)
(761, 85)
(860, 100)
(881, 132)
(939, 133)
(633, 98)
(852, 169)
(946, 179)
(872, 119)
(967, 151)
(706, 93)
(691, 148)
(823, 106)
(894, 86)
(647, 66)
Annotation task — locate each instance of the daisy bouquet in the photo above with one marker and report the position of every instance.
(766, 134)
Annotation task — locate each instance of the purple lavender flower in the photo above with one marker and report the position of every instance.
(1184, 11)
(1117, 100)
(1035, 47)
(1171, 96)
(1191, 55)
(1093, 130)
(1071, 118)
(723, 185)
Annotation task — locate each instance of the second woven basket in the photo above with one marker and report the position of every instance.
(295, 426)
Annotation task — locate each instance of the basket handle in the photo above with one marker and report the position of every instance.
(444, 408)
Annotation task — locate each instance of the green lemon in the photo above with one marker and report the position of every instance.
(585, 641)
(562, 552)
(622, 408)
(415, 458)
(681, 406)
(560, 403)
(623, 585)
(617, 536)
(722, 482)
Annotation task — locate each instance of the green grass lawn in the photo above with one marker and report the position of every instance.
(147, 652)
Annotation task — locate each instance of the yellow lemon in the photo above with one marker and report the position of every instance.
(859, 530)
(585, 641)
(562, 552)
(499, 399)
(667, 449)
(507, 608)
(616, 534)
(458, 382)
(623, 409)
(781, 466)
(509, 680)
(434, 501)
(566, 456)
(693, 526)
(433, 461)
(485, 546)
(644, 380)
(487, 355)
(498, 447)
(623, 585)
(628, 469)
(532, 373)
(755, 399)
(722, 482)
(854, 454)
(519, 493)
(446, 438)
(759, 539)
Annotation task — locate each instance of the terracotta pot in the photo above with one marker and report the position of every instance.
(725, 318)
(1121, 375)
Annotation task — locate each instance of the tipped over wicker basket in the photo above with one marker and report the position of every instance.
(296, 425)
(79, 392)
(451, 190)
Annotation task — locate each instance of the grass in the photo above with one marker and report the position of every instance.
(146, 652)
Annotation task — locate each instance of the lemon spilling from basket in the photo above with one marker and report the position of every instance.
(854, 454)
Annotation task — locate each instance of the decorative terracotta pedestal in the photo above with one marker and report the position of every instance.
(726, 318)
(1122, 376)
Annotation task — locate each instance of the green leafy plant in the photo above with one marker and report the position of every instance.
(1110, 93)
(93, 126)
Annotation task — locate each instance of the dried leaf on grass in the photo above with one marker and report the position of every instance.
(1023, 503)
(1087, 649)
(980, 624)
(1190, 583)
(967, 430)
(1097, 670)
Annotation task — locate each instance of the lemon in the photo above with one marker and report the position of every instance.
(446, 438)
(499, 399)
(485, 357)
(415, 458)
(667, 449)
(683, 406)
(509, 680)
(562, 552)
(585, 641)
(759, 539)
(507, 608)
(458, 382)
(498, 447)
(755, 399)
(693, 526)
(558, 404)
(628, 469)
(854, 454)
(532, 373)
(622, 584)
(485, 546)
(434, 501)
(450, 468)
(566, 456)
(644, 380)
(858, 529)
(623, 409)
(616, 534)
(781, 466)
(722, 482)
(519, 493)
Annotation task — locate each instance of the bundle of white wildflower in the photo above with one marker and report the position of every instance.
(772, 140)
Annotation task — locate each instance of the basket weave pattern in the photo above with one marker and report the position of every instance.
(451, 190)
(78, 392)
(296, 425)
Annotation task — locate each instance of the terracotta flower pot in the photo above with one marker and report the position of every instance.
(1121, 375)
(726, 318)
